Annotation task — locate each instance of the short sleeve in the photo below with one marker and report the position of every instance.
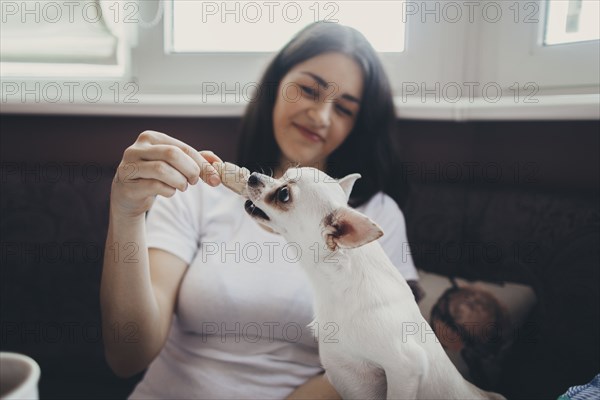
(382, 209)
(173, 223)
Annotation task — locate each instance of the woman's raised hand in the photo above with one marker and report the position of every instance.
(157, 164)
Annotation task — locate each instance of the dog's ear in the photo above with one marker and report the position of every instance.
(347, 228)
(347, 183)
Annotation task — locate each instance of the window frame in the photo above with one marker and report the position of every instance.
(222, 68)
(188, 72)
(80, 71)
(435, 54)
(532, 57)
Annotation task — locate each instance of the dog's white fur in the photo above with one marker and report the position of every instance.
(373, 341)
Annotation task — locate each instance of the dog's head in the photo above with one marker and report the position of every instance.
(307, 205)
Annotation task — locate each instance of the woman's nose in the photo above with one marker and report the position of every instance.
(321, 113)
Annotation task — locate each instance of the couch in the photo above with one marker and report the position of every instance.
(496, 201)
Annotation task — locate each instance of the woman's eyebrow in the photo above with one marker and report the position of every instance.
(351, 98)
(325, 85)
(317, 78)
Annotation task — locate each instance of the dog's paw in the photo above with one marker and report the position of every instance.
(232, 176)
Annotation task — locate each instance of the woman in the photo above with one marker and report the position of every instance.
(241, 303)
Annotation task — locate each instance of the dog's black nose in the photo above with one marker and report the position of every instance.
(253, 179)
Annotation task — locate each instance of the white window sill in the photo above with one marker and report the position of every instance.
(550, 107)
(555, 107)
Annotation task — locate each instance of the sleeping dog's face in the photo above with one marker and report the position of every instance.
(306, 205)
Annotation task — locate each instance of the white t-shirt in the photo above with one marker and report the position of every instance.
(240, 326)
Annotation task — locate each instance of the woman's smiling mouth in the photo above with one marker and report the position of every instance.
(307, 133)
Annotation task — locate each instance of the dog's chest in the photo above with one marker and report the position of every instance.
(353, 377)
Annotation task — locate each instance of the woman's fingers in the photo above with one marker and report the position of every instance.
(178, 154)
(189, 168)
(158, 164)
(164, 172)
(153, 187)
(210, 156)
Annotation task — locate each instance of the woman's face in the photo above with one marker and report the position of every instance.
(316, 107)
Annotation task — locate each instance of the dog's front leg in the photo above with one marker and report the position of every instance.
(404, 389)
(353, 384)
(404, 373)
(352, 378)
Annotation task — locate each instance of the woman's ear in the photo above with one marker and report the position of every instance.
(347, 183)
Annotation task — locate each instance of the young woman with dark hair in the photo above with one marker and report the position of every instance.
(214, 305)
(368, 147)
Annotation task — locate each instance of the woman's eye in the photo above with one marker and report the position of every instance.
(308, 90)
(283, 195)
(344, 110)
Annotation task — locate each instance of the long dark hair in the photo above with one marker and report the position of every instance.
(368, 148)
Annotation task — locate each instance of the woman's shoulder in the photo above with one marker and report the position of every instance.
(380, 202)
(384, 210)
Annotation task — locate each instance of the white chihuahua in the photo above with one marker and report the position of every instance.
(382, 347)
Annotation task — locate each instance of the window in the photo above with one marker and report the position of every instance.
(192, 57)
(215, 49)
(64, 39)
(570, 21)
(514, 51)
(250, 26)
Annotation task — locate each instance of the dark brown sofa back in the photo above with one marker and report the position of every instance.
(498, 201)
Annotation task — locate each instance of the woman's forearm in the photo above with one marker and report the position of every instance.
(130, 313)
(317, 387)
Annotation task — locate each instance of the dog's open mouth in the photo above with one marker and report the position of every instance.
(254, 211)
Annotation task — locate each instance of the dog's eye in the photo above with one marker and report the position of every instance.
(283, 194)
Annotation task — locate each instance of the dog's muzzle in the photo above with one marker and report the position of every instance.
(253, 189)
(254, 180)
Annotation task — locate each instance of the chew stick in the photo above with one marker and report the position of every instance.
(232, 176)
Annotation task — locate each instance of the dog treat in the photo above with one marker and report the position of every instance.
(232, 176)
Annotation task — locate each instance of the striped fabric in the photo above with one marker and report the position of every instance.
(591, 391)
